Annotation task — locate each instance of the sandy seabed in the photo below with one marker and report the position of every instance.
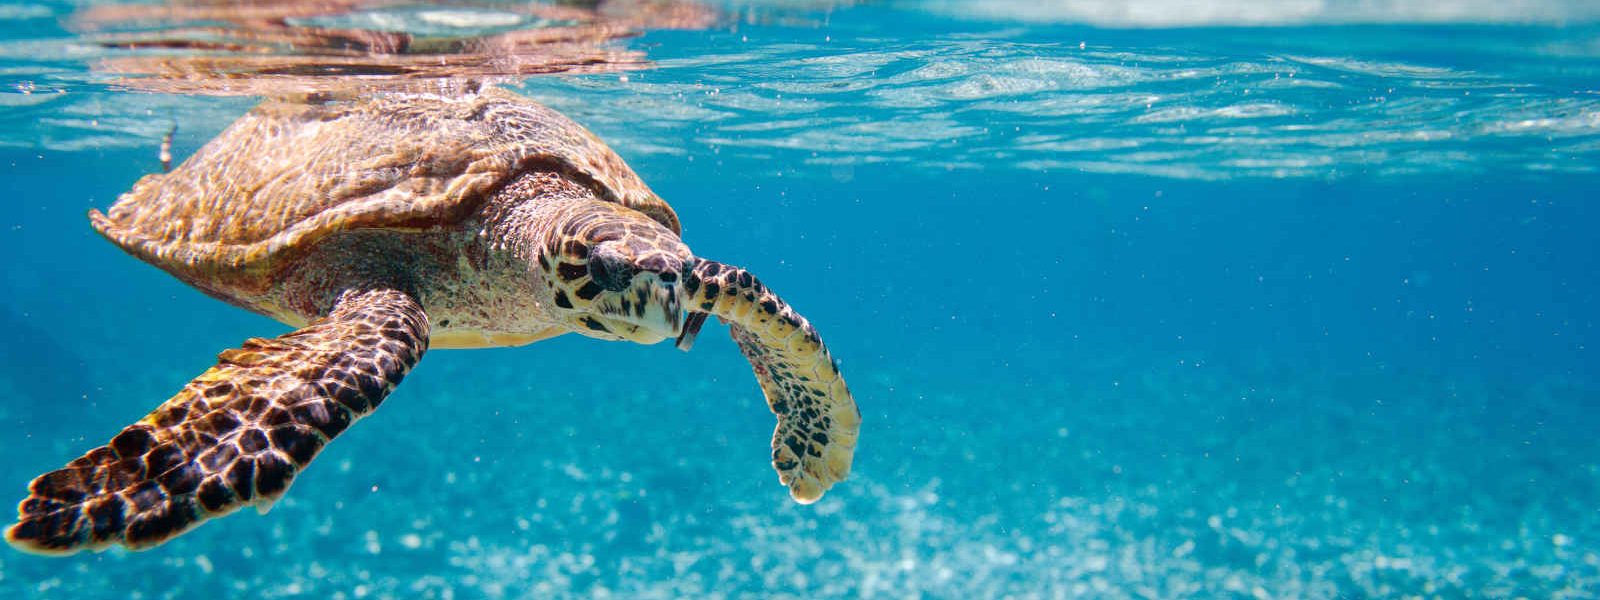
(481, 481)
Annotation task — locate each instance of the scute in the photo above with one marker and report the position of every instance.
(288, 174)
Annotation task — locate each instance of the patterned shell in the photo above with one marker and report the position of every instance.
(288, 174)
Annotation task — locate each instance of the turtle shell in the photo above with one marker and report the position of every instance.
(289, 174)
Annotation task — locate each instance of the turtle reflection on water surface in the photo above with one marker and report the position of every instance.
(380, 228)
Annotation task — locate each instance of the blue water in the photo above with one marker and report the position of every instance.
(1166, 302)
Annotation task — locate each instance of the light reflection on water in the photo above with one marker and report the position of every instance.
(816, 85)
(340, 49)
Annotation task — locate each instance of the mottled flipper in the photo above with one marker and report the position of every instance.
(234, 436)
(817, 418)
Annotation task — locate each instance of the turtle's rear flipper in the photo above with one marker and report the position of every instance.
(817, 418)
(234, 436)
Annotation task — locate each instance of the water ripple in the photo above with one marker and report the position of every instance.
(951, 102)
(1272, 102)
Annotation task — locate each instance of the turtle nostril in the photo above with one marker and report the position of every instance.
(610, 270)
(667, 276)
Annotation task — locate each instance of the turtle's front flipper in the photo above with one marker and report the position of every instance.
(234, 436)
(817, 418)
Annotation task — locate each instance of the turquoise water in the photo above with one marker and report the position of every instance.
(1137, 300)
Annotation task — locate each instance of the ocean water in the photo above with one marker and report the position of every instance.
(1138, 300)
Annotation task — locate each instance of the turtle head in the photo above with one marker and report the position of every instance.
(618, 275)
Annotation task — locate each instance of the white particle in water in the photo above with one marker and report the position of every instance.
(1183, 549)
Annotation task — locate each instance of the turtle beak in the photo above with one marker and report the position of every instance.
(695, 319)
(647, 312)
(652, 305)
(691, 328)
(663, 310)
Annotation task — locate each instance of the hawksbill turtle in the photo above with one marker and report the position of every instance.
(380, 228)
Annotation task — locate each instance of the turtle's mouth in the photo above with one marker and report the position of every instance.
(646, 312)
(691, 328)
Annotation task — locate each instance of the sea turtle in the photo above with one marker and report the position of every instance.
(381, 227)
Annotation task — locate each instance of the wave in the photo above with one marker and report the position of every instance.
(1185, 13)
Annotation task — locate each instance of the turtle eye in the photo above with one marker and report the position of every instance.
(609, 269)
